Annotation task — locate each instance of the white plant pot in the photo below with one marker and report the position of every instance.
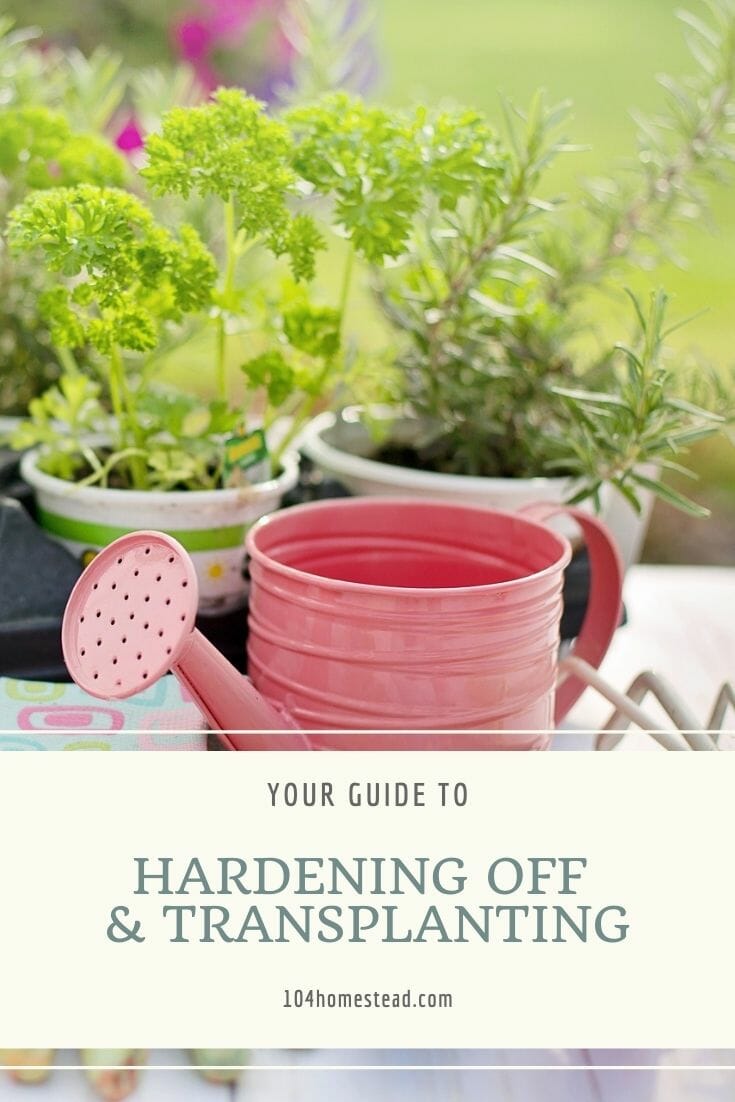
(210, 524)
(629, 527)
(341, 446)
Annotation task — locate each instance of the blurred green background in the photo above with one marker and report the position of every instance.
(605, 56)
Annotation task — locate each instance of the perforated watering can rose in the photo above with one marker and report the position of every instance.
(130, 618)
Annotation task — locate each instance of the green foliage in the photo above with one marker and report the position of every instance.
(88, 90)
(331, 41)
(184, 439)
(178, 442)
(122, 280)
(231, 149)
(39, 149)
(53, 105)
(302, 243)
(460, 156)
(304, 364)
(270, 371)
(27, 76)
(312, 329)
(490, 301)
(467, 280)
(62, 419)
(635, 419)
(635, 215)
(156, 90)
(381, 170)
(378, 165)
(93, 87)
(485, 283)
(118, 284)
(130, 274)
(362, 158)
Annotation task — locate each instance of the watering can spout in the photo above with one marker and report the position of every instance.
(243, 718)
(131, 618)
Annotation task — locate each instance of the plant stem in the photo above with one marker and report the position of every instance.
(517, 205)
(461, 282)
(346, 281)
(297, 423)
(299, 419)
(228, 287)
(65, 357)
(124, 409)
(101, 471)
(116, 397)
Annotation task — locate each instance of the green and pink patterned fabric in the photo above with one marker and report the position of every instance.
(37, 715)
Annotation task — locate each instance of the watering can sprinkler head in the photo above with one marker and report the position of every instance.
(130, 619)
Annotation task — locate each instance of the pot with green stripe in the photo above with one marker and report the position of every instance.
(210, 524)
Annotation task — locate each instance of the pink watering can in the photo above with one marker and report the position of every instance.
(369, 617)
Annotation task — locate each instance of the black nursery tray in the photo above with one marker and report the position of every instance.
(36, 577)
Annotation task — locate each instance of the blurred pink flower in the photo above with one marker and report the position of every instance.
(193, 38)
(130, 138)
(217, 25)
(215, 33)
(233, 16)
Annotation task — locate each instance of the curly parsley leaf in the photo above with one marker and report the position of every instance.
(39, 149)
(231, 148)
(130, 275)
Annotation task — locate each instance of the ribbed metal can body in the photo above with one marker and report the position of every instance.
(373, 614)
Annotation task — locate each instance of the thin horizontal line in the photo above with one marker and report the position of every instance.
(363, 731)
(372, 1067)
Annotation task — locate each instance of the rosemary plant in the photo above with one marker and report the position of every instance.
(688, 145)
(489, 303)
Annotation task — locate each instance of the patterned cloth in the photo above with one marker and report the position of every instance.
(38, 715)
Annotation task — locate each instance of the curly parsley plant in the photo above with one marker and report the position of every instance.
(121, 279)
(231, 151)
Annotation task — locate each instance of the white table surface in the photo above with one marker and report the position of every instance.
(681, 624)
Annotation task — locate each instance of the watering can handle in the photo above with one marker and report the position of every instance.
(605, 600)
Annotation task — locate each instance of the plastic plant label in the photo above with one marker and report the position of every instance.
(246, 453)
